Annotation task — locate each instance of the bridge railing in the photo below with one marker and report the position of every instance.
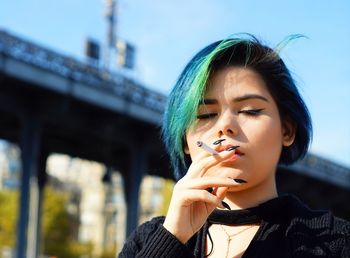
(127, 88)
(94, 76)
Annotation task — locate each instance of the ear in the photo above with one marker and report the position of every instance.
(288, 133)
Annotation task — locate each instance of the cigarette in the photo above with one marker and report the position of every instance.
(202, 145)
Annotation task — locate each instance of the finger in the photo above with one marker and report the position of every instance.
(208, 182)
(200, 155)
(221, 192)
(199, 168)
(190, 196)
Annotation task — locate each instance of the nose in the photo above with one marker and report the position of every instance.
(227, 124)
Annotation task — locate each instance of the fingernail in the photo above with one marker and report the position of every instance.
(221, 206)
(232, 148)
(225, 205)
(218, 141)
(240, 181)
(210, 189)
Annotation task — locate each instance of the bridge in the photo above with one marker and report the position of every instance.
(54, 103)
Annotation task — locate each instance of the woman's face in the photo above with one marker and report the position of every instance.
(239, 108)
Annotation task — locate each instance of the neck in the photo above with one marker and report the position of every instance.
(253, 196)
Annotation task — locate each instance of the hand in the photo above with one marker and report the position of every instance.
(191, 203)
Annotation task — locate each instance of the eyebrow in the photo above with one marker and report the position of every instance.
(237, 99)
(250, 96)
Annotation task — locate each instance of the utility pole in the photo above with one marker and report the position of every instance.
(111, 6)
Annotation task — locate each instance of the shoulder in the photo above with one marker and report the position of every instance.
(301, 215)
(318, 232)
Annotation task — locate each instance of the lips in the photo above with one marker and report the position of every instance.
(225, 147)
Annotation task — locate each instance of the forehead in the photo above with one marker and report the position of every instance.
(237, 81)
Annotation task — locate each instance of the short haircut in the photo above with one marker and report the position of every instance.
(247, 52)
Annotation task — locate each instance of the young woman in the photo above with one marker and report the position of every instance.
(232, 117)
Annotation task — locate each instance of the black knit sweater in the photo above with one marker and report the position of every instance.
(288, 229)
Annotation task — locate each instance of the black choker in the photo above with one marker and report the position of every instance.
(234, 217)
(271, 210)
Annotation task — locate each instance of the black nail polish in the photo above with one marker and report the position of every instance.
(218, 141)
(226, 205)
(232, 148)
(240, 181)
(210, 189)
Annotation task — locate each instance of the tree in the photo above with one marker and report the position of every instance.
(167, 191)
(59, 239)
(8, 217)
(58, 228)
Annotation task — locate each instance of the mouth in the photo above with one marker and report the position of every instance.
(230, 146)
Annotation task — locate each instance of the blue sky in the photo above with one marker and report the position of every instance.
(167, 33)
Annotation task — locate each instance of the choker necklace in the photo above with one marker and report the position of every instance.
(230, 237)
(235, 217)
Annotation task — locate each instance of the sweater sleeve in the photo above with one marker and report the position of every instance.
(151, 239)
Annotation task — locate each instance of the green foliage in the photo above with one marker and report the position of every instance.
(166, 193)
(109, 253)
(59, 229)
(8, 217)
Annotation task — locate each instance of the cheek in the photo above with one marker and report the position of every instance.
(265, 136)
(193, 136)
(191, 140)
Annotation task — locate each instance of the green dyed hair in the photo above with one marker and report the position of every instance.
(189, 90)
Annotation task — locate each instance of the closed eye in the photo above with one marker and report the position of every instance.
(251, 112)
(206, 115)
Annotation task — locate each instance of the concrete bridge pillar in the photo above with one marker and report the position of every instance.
(32, 183)
(132, 181)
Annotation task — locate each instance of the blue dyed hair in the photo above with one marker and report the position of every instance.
(247, 52)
